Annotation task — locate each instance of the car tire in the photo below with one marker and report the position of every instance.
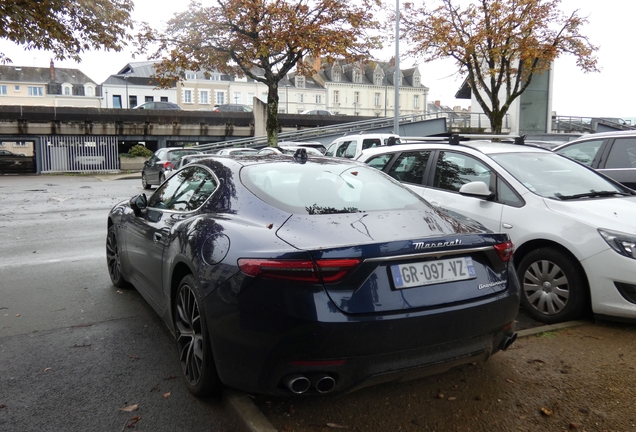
(553, 288)
(144, 181)
(113, 259)
(193, 340)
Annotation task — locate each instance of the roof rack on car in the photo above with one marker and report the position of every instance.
(456, 139)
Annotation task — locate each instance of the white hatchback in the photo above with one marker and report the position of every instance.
(574, 230)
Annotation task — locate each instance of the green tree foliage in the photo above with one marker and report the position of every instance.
(274, 36)
(498, 44)
(67, 28)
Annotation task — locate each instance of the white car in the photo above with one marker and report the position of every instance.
(351, 146)
(289, 149)
(574, 230)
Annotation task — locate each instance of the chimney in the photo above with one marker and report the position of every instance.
(317, 63)
(52, 70)
(438, 103)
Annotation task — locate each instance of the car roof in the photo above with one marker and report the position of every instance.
(629, 133)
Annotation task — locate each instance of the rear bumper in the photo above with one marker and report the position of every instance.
(258, 339)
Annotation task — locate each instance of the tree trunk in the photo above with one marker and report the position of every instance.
(496, 122)
(272, 125)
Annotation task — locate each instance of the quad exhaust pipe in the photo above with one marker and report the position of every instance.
(299, 384)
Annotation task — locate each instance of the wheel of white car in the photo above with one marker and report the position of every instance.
(193, 340)
(553, 288)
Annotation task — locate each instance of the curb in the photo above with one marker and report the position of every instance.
(254, 420)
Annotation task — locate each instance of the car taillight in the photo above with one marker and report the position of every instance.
(168, 165)
(505, 250)
(324, 270)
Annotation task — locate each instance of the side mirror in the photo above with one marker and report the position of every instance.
(477, 189)
(147, 163)
(138, 203)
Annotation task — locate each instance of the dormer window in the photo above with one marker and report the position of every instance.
(416, 81)
(300, 81)
(191, 76)
(67, 90)
(336, 75)
(357, 76)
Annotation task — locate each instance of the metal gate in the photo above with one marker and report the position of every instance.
(78, 153)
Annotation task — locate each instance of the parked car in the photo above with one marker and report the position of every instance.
(288, 149)
(15, 163)
(235, 151)
(158, 105)
(611, 153)
(183, 161)
(336, 277)
(351, 146)
(313, 144)
(232, 108)
(317, 112)
(574, 230)
(163, 160)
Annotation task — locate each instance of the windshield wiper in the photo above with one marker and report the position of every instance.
(591, 194)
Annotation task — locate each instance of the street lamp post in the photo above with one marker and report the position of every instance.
(127, 101)
(287, 98)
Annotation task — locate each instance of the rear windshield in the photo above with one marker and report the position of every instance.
(178, 154)
(326, 188)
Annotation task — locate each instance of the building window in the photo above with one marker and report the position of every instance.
(163, 98)
(215, 77)
(67, 91)
(187, 96)
(148, 99)
(204, 97)
(357, 76)
(336, 96)
(377, 79)
(190, 76)
(90, 91)
(16, 88)
(376, 99)
(237, 97)
(3, 90)
(264, 97)
(356, 98)
(301, 98)
(416, 101)
(116, 101)
(416, 81)
(318, 99)
(250, 98)
(132, 101)
(300, 82)
(34, 91)
(220, 98)
(336, 75)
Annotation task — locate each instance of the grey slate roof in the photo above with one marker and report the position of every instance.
(42, 75)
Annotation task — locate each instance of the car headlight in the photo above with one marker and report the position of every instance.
(624, 244)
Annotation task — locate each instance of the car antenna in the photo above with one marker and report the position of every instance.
(300, 156)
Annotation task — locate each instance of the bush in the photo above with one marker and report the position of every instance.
(138, 151)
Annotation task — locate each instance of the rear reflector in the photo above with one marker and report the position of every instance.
(324, 270)
(505, 250)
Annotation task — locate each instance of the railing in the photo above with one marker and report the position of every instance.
(568, 124)
(464, 122)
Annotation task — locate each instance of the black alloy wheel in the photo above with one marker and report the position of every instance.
(113, 260)
(553, 288)
(144, 181)
(193, 341)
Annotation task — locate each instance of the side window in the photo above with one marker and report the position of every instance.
(622, 154)
(583, 152)
(350, 150)
(454, 170)
(379, 162)
(185, 191)
(331, 150)
(342, 147)
(506, 195)
(370, 143)
(410, 167)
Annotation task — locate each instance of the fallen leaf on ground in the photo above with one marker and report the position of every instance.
(2, 406)
(134, 357)
(546, 411)
(47, 369)
(166, 395)
(452, 398)
(510, 381)
(129, 408)
(131, 421)
(171, 377)
(17, 315)
(337, 426)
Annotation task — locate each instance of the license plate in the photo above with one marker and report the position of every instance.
(432, 272)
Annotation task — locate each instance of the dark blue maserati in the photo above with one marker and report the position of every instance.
(289, 275)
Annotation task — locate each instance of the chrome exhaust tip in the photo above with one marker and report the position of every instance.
(322, 383)
(297, 383)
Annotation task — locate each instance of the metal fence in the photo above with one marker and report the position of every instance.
(78, 154)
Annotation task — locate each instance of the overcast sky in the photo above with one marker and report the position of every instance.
(609, 93)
